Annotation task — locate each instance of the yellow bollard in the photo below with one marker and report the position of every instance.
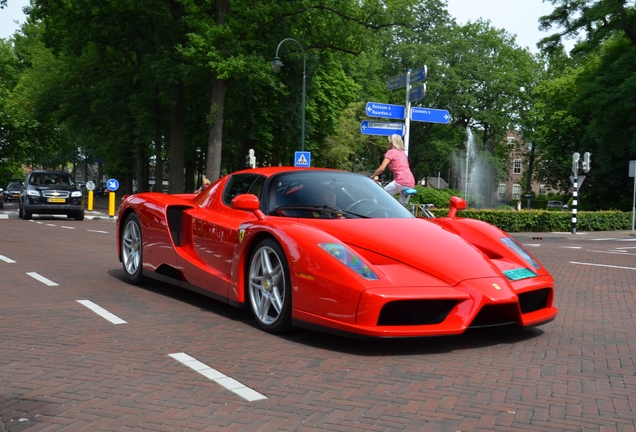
(111, 204)
(90, 200)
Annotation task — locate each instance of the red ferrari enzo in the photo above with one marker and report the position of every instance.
(332, 250)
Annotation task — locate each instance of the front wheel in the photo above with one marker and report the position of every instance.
(131, 249)
(270, 287)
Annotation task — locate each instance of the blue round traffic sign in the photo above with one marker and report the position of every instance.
(112, 185)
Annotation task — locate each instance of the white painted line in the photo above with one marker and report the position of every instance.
(97, 231)
(42, 279)
(216, 376)
(51, 225)
(603, 265)
(601, 239)
(67, 227)
(532, 244)
(615, 252)
(571, 247)
(102, 312)
(626, 240)
(7, 260)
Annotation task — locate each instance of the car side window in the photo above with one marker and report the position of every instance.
(242, 184)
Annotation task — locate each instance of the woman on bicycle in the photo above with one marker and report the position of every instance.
(396, 160)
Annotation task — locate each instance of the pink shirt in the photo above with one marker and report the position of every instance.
(399, 165)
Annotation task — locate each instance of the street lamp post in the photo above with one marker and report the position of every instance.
(276, 65)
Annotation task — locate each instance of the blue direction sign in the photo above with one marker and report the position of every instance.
(417, 93)
(302, 159)
(396, 82)
(112, 185)
(375, 109)
(381, 128)
(418, 75)
(430, 115)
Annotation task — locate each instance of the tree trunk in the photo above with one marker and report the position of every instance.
(158, 141)
(215, 137)
(177, 141)
(142, 163)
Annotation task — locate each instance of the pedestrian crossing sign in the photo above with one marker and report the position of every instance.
(302, 159)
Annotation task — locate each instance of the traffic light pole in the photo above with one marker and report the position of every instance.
(577, 163)
(575, 201)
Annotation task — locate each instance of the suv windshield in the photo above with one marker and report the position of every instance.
(51, 179)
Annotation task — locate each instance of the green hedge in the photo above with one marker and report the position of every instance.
(547, 221)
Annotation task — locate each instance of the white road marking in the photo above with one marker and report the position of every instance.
(615, 252)
(102, 312)
(7, 260)
(51, 225)
(216, 376)
(603, 265)
(97, 231)
(532, 244)
(571, 247)
(42, 279)
(67, 227)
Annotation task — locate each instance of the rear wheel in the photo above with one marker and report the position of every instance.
(79, 216)
(270, 287)
(131, 249)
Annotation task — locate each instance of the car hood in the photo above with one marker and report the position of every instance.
(417, 243)
(54, 187)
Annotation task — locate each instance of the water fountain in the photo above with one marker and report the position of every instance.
(472, 172)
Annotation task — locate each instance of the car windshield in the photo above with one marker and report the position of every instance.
(51, 179)
(13, 186)
(329, 195)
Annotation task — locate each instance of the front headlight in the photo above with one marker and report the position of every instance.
(76, 194)
(348, 258)
(33, 192)
(519, 250)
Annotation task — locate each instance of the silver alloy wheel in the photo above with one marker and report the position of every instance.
(131, 248)
(267, 284)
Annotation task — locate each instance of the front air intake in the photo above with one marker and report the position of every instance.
(415, 312)
(534, 300)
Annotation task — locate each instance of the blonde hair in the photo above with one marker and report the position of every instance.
(206, 180)
(396, 141)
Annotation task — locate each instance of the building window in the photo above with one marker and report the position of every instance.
(517, 166)
(516, 191)
(511, 141)
(543, 190)
(501, 192)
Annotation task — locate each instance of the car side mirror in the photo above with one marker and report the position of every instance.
(248, 202)
(456, 204)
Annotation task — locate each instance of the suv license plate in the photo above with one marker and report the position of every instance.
(57, 200)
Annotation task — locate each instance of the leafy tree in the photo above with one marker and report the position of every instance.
(595, 21)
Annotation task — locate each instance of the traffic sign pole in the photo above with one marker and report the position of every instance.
(407, 114)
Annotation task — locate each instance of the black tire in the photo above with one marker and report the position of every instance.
(20, 211)
(269, 287)
(132, 249)
(79, 216)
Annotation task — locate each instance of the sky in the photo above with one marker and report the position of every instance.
(518, 17)
(11, 13)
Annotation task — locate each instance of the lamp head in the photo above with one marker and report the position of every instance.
(277, 64)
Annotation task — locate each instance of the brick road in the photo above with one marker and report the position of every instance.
(64, 368)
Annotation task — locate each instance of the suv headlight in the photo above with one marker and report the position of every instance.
(76, 194)
(33, 192)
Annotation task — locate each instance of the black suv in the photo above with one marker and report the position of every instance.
(51, 192)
